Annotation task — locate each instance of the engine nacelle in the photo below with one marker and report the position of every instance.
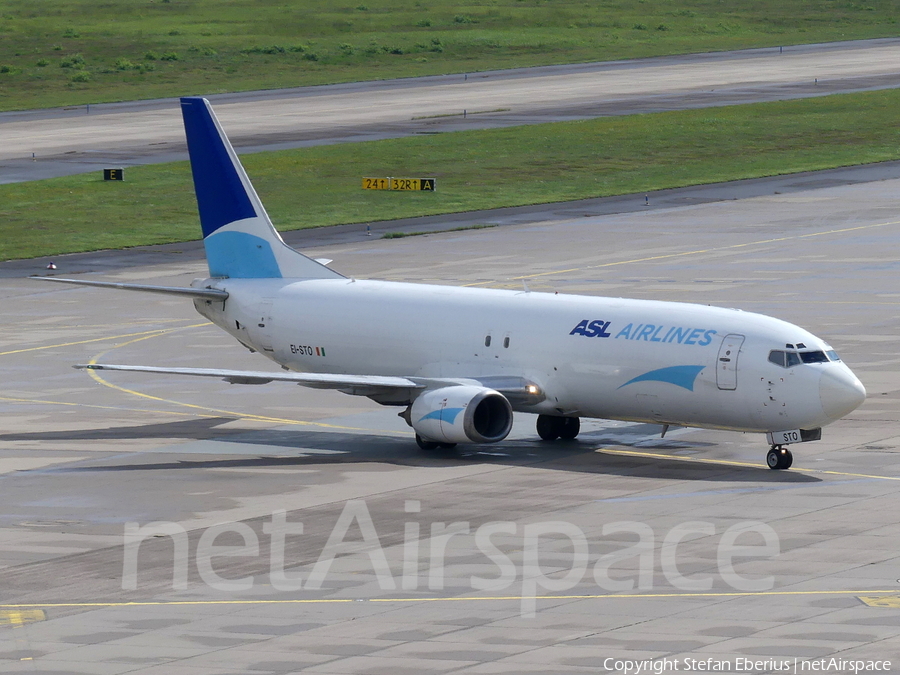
(462, 414)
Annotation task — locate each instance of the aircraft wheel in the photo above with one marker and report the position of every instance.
(788, 459)
(548, 427)
(779, 458)
(570, 428)
(426, 444)
(446, 446)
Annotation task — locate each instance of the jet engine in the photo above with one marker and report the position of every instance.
(461, 414)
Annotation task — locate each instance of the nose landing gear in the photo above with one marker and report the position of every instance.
(779, 457)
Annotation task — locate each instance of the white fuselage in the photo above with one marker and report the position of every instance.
(613, 358)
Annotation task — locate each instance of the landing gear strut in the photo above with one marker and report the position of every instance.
(550, 427)
(779, 457)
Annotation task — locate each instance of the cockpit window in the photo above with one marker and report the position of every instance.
(787, 359)
(833, 355)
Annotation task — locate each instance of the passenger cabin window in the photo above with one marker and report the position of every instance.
(487, 341)
(506, 343)
(787, 359)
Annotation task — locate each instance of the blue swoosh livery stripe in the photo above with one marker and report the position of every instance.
(680, 376)
(447, 415)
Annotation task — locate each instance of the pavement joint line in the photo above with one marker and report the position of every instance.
(755, 488)
(216, 411)
(718, 249)
(102, 407)
(120, 325)
(703, 460)
(207, 415)
(489, 598)
(111, 337)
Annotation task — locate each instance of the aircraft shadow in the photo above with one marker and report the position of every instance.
(595, 452)
(197, 429)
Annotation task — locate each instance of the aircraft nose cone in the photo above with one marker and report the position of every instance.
(841, 392)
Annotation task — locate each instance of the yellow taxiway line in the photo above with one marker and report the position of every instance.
(207, 409)
(149, 333)
(480, 598)
(728, 462)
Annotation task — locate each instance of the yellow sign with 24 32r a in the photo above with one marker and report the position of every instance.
(427, 184)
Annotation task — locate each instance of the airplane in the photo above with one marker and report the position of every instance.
(461, 361)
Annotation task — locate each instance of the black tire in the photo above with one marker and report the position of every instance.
(779, 459)
(569, 428)
(425, 444)
(548, 427)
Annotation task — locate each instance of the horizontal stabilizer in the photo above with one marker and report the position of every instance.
(205, 293)
(317, 380)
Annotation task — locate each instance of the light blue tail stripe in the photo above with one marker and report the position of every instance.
(239, 255)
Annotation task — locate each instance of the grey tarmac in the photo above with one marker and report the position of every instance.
(82, 456)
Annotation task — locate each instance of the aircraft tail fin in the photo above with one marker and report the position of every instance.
(239, 238)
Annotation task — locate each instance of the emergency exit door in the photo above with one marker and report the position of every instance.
(727, 362)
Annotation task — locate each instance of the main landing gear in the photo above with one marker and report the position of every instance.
(779, 457)
(425, 444)
(549, 427)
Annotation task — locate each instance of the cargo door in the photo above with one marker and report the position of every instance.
(264, 325)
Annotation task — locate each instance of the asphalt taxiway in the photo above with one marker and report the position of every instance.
(43, 143)
(83, 455)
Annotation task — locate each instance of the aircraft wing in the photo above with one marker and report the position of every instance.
(516, 389)
(362, 385)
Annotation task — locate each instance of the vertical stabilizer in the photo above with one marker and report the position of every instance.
(239, 238)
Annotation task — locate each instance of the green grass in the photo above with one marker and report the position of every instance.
(474, 170)
(66, 52)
